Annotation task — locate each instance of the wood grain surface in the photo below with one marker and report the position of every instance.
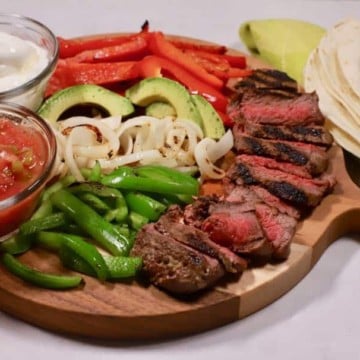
(137, 311)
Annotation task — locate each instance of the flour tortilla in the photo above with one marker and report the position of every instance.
(333, 78)
(326, 72)
(348, 52)
(345, 132)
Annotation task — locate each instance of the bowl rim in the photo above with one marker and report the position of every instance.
(48, 69)
(49, 136)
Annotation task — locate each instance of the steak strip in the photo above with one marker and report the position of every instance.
(311, 134)
(313, 157)
(288, 187)
(173, 266)
(199, 240)
(273, 81)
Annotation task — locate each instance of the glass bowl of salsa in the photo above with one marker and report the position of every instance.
(27, 157)
(28, 56)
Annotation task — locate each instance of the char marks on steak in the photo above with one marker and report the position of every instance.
(311, 134)
(256, 194)
(269, 80)
(287, 167)
(172, 265)
(296, 190)
(312, 157)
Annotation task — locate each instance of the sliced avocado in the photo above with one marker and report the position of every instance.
(160, 110)
(212, 123)
(157, 89)
(85, 94)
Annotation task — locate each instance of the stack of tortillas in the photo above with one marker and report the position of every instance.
(333, 71)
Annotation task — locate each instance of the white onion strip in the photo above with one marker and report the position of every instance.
(208, 151)
(170, 142)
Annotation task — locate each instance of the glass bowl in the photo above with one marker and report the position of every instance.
(26, 61)
(27, 157)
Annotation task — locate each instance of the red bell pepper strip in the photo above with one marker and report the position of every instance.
(152, 66)
(71, 47)
(209, 48)
(237, 73)
(218, 64)
(159, 46)
(68, 73)
(208, 60)
(133, 49)
(238, 61)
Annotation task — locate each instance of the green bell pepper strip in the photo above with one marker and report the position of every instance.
(95, 202)
(58, 185)
(137, 183)
(72, 261)
(42, 223)
(118, 211)
(144, 205)
(42, 279)
(83, 249)
(123, 229)
(104, 233)
(95, 174)
(44, 209)
(160, 172)
(16, 244)
(48, 240)
(136, 220)
(119, 267)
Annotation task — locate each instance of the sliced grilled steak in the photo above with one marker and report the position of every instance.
(196, 212)
(273, 201)
(232, 224)
(261, 107)
(288, 187)
(273, 81)
(279, 229)
(274, 164)
(199, 240)
(312, 157)
(312, 134)
(173, 266)
(257, 194)
(240, 232)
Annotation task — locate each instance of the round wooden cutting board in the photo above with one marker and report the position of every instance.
(137, 311)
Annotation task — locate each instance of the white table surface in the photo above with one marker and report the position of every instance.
(320, 317)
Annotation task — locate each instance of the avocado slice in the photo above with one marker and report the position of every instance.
(160, 110)
(212, 123)
(85, 94)
(161, 89)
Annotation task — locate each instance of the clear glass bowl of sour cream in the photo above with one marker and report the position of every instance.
(28, 55)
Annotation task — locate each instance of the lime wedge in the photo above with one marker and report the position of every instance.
(284, 44)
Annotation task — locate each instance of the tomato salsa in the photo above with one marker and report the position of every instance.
(23, 156)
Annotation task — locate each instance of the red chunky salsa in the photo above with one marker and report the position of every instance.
(23, 154)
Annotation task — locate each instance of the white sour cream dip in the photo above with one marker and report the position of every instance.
(20, 61)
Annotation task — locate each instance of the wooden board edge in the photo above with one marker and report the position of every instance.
(125, 328)
(262, 286)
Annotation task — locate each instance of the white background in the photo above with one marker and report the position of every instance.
(318, 319)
